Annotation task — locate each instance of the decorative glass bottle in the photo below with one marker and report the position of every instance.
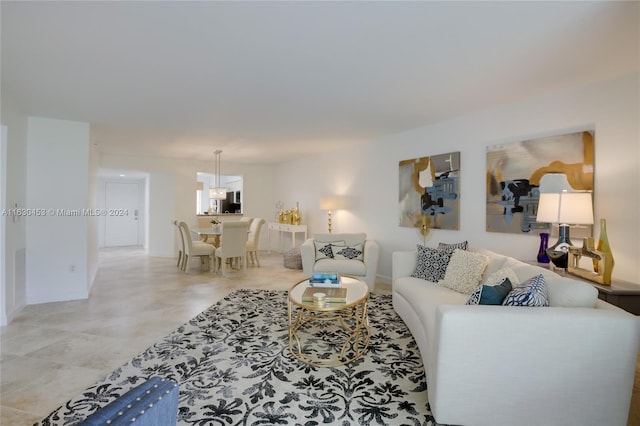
(542, 251)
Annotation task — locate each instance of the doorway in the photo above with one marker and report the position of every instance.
(122, 214)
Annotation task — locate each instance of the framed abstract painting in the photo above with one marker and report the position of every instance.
(514, 172)
(430, 186)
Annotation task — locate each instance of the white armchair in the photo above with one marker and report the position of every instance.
(348, 254)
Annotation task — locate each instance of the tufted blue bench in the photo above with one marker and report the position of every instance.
(152, 403)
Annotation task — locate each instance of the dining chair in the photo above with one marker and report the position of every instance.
(253, 240)
(193, 249)
(181, 246)
(247, 219)
(233, 244)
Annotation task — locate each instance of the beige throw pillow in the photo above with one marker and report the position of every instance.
(498, 277)
(464, 271)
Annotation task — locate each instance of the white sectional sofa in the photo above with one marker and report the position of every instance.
(571, 363)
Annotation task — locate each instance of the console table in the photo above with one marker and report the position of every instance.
(285, 227)
(623, 294)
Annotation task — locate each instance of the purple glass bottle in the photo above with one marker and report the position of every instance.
(542, 251)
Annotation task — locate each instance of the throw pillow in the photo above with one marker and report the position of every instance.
(464, 271)
(498, 276)
(532, 292)
(324, 250)
(490, 294)
(431, 264)
(350, 253)
(452, 247)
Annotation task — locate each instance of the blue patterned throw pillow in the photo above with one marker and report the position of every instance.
(431, 264)
(490, 294)
(532, 292)
(453, 246)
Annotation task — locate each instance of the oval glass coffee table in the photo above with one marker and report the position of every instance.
(329, 334)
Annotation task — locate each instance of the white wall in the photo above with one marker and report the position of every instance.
(161, 231)
(14, 297)
(57, 178)
(369, 173)
(93, 221)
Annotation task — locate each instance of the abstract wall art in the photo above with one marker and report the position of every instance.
(431, 186)
(514, 171)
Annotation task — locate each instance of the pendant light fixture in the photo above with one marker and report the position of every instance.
(217, 192)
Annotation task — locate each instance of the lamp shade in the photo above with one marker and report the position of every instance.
(218, 193)
(335, 202)
(566, 207)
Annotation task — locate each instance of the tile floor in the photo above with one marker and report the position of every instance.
(53, 351)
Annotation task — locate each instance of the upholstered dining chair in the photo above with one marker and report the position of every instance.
(193, 249)
(247, 219)
(253, 240)
(233, 244)
(181, 246)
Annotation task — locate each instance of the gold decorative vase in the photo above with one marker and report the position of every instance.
(604, 247)
(295, 215)
(602, 258)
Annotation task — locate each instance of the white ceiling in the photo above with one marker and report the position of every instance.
(269, 81)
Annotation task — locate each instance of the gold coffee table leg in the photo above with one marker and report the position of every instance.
(357, 340)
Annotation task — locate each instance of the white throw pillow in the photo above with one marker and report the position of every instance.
(324, 250)
(498, 277)
(464, 271)
(348, 252)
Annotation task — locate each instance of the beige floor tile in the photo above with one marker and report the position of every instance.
(90, 351)
(21, 372)
(12, 417)
(31, 339)
(54, 385)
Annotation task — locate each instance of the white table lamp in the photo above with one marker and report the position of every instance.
(564, 208)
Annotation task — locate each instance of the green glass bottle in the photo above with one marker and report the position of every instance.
(605, 247)
(603, 241)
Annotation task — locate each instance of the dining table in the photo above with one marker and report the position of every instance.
(209, 235)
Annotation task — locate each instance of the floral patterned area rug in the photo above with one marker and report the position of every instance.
(233, 366)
